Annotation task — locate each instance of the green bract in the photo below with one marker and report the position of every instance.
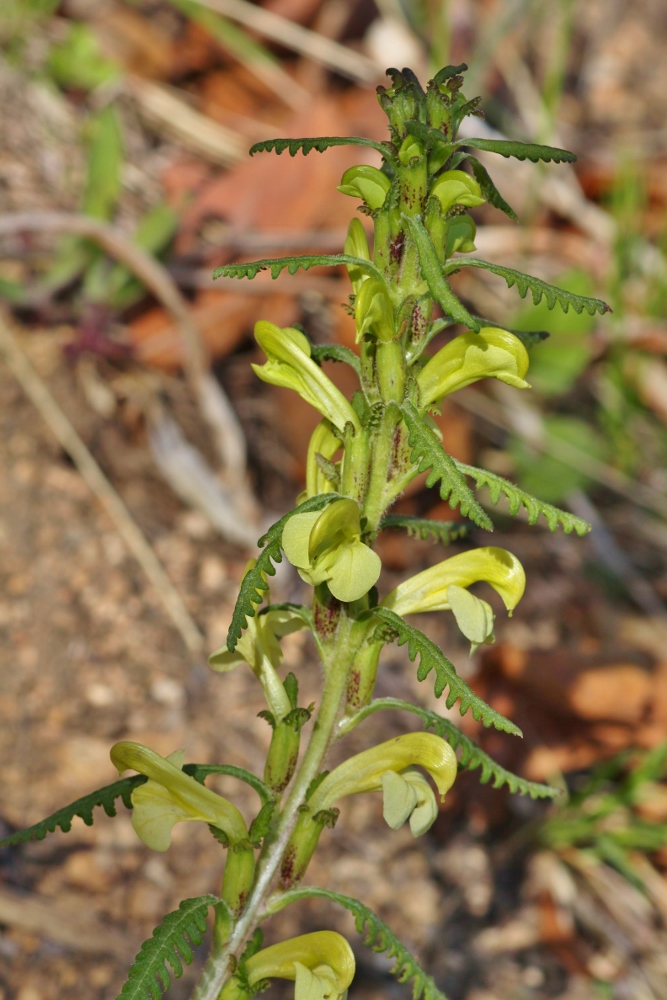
(373, 312)
(456, 187)
(170, 797)
(367, 183)
(289, 364)
(491, 353)
(326, 548)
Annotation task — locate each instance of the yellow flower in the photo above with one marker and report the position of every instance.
(356, 245)
(326, 547)
(367, 183)
(289, 364)
(443, 587)
(373, 312)
(321, 964)
(326, 443)
(456, 187)
(491, 353)
(170, 797)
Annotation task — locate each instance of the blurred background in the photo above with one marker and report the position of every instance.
(140, 459)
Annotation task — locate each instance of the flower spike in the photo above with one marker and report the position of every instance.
(491, 353)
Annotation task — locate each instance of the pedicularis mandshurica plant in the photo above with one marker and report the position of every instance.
(362, 455)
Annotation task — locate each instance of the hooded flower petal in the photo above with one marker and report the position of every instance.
(491, 353)
(373, 312)
(289, 364)
(322, 965)
(427, 591)
(456, 187)
(325, 547)
(367, 183)
(170, 797)
(474, 617)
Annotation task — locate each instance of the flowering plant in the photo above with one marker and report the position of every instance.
(362, 455)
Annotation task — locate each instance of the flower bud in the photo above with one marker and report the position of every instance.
(373, 312)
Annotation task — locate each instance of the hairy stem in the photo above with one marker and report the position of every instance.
(337, 665)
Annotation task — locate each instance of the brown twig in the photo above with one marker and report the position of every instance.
(68, 438)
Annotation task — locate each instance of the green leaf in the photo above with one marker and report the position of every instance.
(83, 807)
(319, 144)
(277, 264)
(105, 160)
(433, 273)
(520, 150)
(428, 136)
(429, 453)
(423, 527)
(201, 771)
(518, 498)
(489, 189)
(78, 60)
(432, 658)
(472, 756)
(376, 935)
(538, 287)
(172, 942)
(335, 352)
(253, 584)
(261, 824)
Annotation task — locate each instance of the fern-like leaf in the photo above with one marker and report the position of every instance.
(83, 807)
(319, 144)
(489, 189)
(433, 659)
(172, 942)
(433, 273)
(429, 454)
(335, 352)
(376, 935)
(251, 268)
(518, 498)
(539, 289)
(472, 756)
(444, 532)
(254, 583)
(520, 150)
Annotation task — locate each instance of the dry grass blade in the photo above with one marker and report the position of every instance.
(308, 43)
(68, 438)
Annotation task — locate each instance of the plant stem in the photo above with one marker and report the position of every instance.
(382, 449)
(341, 655)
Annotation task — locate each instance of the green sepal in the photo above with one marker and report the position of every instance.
(291, 686)
(520, 150)
(254, 583)
(172, 942)
(268, 717)
(376, 936)
(472, 756)
(432, 658)
(330, 470)
(518, 498)
(428, 453)
(489, 189)
(335, 352)
(219, 835)
(261, 824)
(319, 144)
(298, 717)
(444, 532)
(538, 288)
(278, 264)
(434, 275)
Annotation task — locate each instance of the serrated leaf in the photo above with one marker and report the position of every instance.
(428, 453)
(201, 771)
(172, 942)
(433, 659)
(83, 807)
(472, 756)
(254, 584)
(426, 135)
(518, 498)
(520, 150)
(277, 264)
(335, 352)
(540, 289)
(424, 528)
(376, 936)
(319, 144)
(489, 189)
(433, 273)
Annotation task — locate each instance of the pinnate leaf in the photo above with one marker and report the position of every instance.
(428, 453)
(423, 527)
(520, 150)
(433, 273)
(519, 498)
(539, 289)
(377, 936)
(433, 659)
(172, 943)
(335, 352)
(319, 144)
(251, 268)
(489, 189)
